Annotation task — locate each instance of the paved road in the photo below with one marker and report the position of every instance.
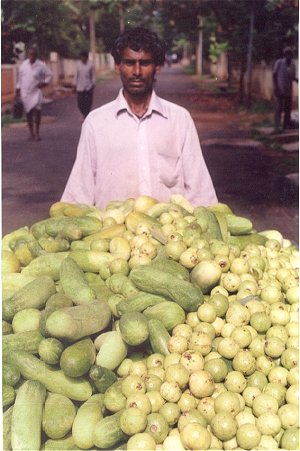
(248, 179)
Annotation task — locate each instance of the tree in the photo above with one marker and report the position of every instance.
(48, 24)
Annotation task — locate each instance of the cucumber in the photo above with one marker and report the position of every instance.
(63, 444)
(6, 431)
(238, 225)
(243, 240)
(10, 374)
(50, 350)
(74, 283)
(26, 422)
(171, 267)
(73, 323)
(33, 295)
(114, 400)
(207, 217)
(55, 302)
(8, 395)
(135, 217)
(138, 302)
(6, 327)
(158, 337)
(54, 244)
(168, 312)
(108, 432)
(45, 265)
(155, 281)
(30, 367)
(26, 341)
(77, 359)
(101, 377)
(87, 416)
(91, 261)
(134, 328)
(107, 358)
(58, 415)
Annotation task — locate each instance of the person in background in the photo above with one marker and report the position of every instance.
(85, 80)
(139, 144)
(32, 77)
(284, 73)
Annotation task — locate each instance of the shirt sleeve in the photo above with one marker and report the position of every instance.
(80, 187)
(19, 78)
(199, 189)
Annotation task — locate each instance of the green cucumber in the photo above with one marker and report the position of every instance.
(73, 323)
(158, 337)
(77, 359)
(168, 312)
(74, 283)
(26, 422)
(108, 432)
(33, 295)
(101, 377)
(152, 280)
(58, 415)
(30, 367)
(87, 416)
(138, 302)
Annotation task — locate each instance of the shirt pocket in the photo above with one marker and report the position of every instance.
(168, 167)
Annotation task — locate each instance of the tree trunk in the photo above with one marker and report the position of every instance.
(92, 35)
(249, 56)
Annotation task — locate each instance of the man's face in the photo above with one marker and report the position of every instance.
(32, 55)
(137, 71)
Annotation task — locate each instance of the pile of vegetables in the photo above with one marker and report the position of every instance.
(149, 326)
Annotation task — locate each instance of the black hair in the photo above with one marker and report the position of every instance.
(137, 39)
(84, 53)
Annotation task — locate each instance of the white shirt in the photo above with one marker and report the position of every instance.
(85, 77)
(121, 156)
(29, 77)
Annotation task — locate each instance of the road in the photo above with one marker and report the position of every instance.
(247, 177)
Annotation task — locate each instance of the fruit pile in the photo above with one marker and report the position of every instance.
(149, 326)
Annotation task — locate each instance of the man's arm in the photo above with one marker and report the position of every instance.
(199, 189)
(47, 77)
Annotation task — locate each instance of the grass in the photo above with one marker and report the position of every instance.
(7, 119)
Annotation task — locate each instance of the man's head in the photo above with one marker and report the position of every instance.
(138, 39)
(138, 55)
(288, 53)
(32, 54)
(84, 56)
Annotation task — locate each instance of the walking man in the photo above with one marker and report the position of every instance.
(284, 73)
(85, 80)
(33, 76)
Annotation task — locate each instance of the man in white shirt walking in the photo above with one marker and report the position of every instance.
(32, 77)
(85, 80)
(139, 144)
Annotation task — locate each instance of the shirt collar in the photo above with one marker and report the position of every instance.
(155, 105)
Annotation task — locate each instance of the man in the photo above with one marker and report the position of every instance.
(139, 144)
(85, 79)
(284, 73)
(33, 76)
